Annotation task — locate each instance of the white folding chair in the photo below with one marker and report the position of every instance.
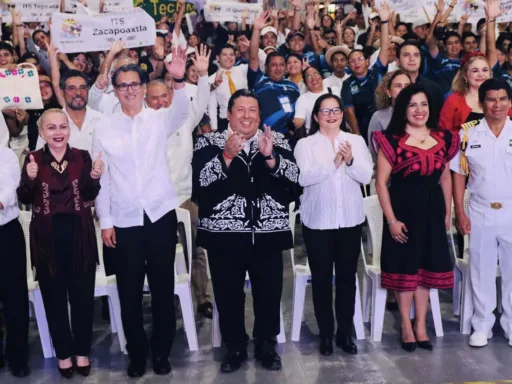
(301, 279)
(372, 291)
(107, 286)
(182, 276)
(281, 338)
(34, 293)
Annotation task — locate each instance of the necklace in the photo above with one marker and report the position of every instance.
(421, 140)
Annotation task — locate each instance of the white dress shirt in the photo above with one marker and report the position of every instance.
(332, 197)
(4, 132)
(136, 177)
(81, 138)
(221, 95)
(180, 145)
(104, 101)
(10, 175)
(335, 81)
(306, 102)
(490, 162)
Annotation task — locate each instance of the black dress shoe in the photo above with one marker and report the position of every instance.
(161, 366)
(206, 309)
(265, 353)
(20, 372)
(409, 346)
(346, 344)
(233, 360)
(136, 368)
(326, 346)
(425, 344)
(84, 371)
(66, 373)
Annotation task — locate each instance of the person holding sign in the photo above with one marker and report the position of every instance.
(136, 207)
(61, 184)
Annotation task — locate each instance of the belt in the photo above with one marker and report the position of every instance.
(496, 205)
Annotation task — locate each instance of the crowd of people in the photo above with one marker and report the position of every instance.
(317, 104)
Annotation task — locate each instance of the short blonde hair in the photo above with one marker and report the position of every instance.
(459, 83)
(48, 112)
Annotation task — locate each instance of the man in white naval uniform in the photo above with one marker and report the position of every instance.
(486, 155)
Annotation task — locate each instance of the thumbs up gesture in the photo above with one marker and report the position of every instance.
(97, 167)
(32, 168)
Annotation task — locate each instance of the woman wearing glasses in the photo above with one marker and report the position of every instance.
(305, 102)
(61, 183)
(333, 164)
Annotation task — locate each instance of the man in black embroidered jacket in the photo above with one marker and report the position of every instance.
(243, 181)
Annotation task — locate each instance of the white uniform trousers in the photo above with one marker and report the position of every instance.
(490, 241)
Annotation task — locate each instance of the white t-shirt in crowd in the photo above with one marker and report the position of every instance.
(334, 81)
(306, 102)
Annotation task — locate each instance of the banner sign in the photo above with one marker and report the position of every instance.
(31, 10)
(94, 5)
(159, 8)
(84, 33)
(220, 11)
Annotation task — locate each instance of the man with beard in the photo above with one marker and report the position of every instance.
(74, 94)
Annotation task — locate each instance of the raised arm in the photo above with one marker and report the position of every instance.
(201, 62)
(115, 49)
(447, 13)
(259, 23)
(431, 40)
(55, 73)
(176, 115)
(18, 31)
(296, 4)
(160, 52)
(384, 14)
(463, 20)
(492, 11)
(179, 17)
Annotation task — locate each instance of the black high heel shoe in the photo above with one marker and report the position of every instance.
(409, 346)
(66, 373)
(425, 344)
(84, 371)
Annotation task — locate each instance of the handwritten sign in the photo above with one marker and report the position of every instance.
(230, 11)
(84, 33)
(31, 10)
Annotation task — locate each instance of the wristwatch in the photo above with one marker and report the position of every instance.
(351, 162)
(273, 155)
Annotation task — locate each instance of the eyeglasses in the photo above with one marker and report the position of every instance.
(74, 89)
(357, 60)
(314, 75)
(124, 87)
(327, 111)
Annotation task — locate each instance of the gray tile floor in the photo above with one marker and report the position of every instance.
(377, 363)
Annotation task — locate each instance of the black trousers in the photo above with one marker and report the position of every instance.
(64, 286)
(14, 293)
(149, 249)
(228, 267)
(340, 247)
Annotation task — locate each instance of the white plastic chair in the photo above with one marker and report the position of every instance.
(182, 276)
(281, 338)
(372, 291)
(301, 279)
(34, 293)
(107, 286)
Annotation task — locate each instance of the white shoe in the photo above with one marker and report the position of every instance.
(479, 339)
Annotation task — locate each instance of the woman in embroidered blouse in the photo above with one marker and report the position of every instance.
(61, 183)
(415, 154)
(333, 164)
